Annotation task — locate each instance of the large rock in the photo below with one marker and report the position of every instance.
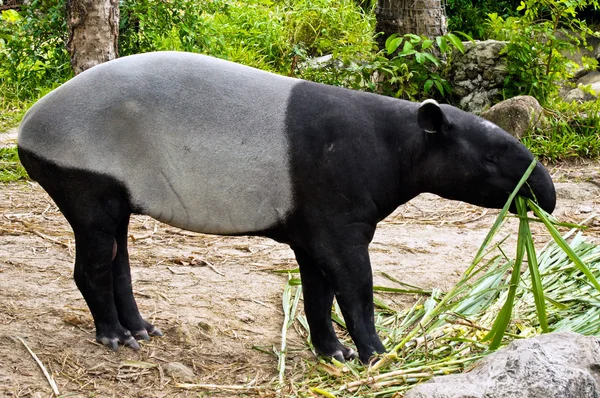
(590, 79)
(556, 365)
(477, 76)
(516, 115)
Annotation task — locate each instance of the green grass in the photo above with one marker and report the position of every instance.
(10, 167)
(571, 133)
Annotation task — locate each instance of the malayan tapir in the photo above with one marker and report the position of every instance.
(216, 147)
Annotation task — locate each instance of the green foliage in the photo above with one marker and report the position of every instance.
(258, 33)
(249, 32)
(10, 167)
(469, 15)
(32, 49)
(572, 132)
(320, 27)
(409, 67)
(537, 42)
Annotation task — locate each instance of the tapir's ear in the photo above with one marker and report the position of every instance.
(431, 117)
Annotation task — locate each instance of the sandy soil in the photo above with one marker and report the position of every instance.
(216, 298)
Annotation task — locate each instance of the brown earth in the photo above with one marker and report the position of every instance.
(216, 298)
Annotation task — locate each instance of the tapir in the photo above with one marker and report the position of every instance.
(216, 147)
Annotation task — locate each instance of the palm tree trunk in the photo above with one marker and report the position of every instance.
(421, 17)
(93, 32)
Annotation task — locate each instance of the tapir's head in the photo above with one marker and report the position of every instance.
(470, 159)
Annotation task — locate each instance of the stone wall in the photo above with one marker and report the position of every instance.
(477, 76)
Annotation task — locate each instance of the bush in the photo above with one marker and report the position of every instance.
(572, 132)
(258, 33)
(469, 16)
(32, 49)
(537, 43)
(409, 67)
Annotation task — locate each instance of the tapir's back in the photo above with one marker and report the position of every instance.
(199, 143)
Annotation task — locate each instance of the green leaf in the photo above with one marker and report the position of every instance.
(439, 86)
(503, 319)
(419, 58)
(466, 36)
(542, 215)
(427, 85)
(456, 42)
(432, 59)
(392, 45)
(426, 44)
(442, 43)
(11, 16)
(536, 280)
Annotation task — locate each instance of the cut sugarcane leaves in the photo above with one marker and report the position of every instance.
(497, 300)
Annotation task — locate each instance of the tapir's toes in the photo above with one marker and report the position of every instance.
(131, 342)
(341, 354)
(154, 331)
(112, 343)
(338, 356)
(142, 335)
(112, 340)
(350, 354)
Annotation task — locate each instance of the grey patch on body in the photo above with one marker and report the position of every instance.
(200, 143)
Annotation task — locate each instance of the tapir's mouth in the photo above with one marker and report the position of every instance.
(539, 188)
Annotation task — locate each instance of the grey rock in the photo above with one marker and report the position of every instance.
(179, 372)
(578, 95)
(516, 115)
(589, 78)
(556, 365)
(591, 81)
(477, 76)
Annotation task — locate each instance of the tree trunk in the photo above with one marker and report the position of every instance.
(421, 17)
(93, 32)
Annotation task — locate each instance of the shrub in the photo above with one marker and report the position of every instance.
(409, 67)
(469, 16)
(32, 49)
(537, 43)
(572, 132)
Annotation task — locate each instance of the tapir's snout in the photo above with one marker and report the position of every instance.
(540, 188)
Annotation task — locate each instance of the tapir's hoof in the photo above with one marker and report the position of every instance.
(145, 334)
(342, 354)
(346, 355)
(155, 331)
(112, 340)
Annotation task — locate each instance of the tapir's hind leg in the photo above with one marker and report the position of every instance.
(127, 309)
(94, 278)
(318, 298)
(98, 209)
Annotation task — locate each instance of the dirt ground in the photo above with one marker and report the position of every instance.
(216, 299)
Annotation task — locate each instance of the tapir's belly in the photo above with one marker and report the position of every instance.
(201, 146)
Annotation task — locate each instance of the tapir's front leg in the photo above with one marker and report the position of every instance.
(344, 262)
(318, 298)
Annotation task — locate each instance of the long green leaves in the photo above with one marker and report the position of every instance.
(448, 332)
(545, 217)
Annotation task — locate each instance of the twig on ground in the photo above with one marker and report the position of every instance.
(42, 367)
